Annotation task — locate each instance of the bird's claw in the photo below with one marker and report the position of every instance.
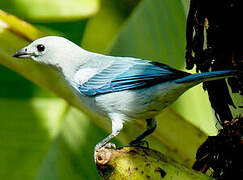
(98, 147)
(107, 145)
(110, 146)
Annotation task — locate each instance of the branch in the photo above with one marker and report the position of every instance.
(141, 163)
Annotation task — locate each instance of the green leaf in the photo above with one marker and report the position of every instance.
(27, 128)
(51, 10)
(71, 154)
(108, 21)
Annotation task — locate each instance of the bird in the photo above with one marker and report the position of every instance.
(121, 89)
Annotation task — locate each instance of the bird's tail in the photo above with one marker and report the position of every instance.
(208, 76)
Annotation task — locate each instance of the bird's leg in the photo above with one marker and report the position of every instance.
(117, 125)
(104, 144)
(151, 125)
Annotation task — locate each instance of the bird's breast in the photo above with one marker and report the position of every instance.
(141, 103)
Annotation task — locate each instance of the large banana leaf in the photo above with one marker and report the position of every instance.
(26, 132)
(51, 10)
(113, 18)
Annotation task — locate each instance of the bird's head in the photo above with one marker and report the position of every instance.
(50, 50)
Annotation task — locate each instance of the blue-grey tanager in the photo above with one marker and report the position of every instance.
(120, 88)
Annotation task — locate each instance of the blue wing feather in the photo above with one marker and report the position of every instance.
(127, 74)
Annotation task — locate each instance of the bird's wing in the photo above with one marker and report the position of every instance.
(124, 74)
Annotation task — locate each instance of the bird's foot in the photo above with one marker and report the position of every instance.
(104, 146)
(137, 143)
(107, 145)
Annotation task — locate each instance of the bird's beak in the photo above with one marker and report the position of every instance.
(22, 53)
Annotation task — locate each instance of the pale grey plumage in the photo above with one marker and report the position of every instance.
(120, 88)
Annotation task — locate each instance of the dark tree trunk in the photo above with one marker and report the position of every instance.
(214, 35)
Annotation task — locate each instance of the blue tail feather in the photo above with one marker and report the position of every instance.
(207, 76)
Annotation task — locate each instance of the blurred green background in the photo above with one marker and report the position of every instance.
(42, 136)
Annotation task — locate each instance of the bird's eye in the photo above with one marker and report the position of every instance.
(40, 47)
